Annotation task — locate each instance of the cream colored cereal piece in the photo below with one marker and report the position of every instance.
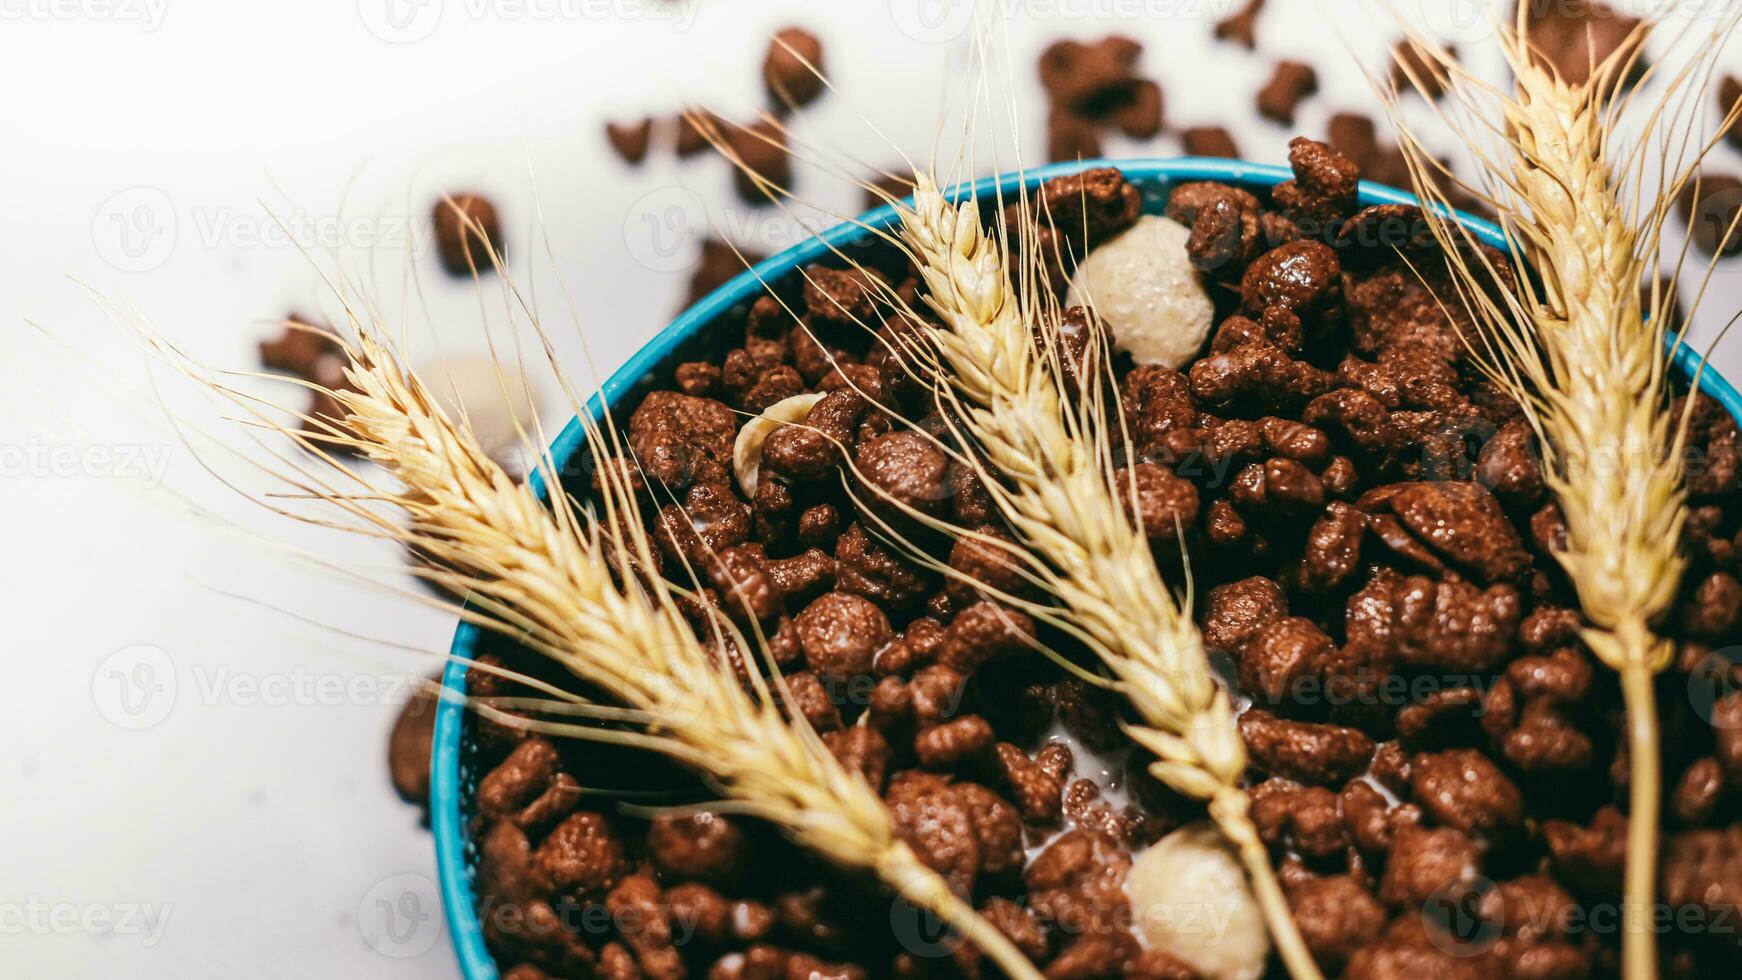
(499, 402)
(1143, 285)
(1189, 896)
(747, 448)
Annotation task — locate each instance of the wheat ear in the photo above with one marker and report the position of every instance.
(573, 587)
(1065, 505)
(1585, 356)
(1598, 372)
(1599, 376)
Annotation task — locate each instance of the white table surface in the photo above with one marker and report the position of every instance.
(193, 780)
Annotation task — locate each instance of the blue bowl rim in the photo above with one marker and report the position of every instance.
(449, 824)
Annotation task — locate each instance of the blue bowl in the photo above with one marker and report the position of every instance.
(453, 778)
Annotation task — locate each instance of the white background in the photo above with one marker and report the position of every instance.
(171, 741)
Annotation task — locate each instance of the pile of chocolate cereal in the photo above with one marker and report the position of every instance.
(1436, 762)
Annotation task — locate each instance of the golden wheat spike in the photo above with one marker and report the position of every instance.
(1585, 356)
(571, 587)
(1052, 485)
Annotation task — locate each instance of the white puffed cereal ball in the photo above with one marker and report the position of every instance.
(1143, 285)
(1189, 895)
(747, 448)
(499, 402)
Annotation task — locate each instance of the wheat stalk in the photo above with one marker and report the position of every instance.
(1054, 486)
(573, 586)
(1598, 374)
(1585, 356)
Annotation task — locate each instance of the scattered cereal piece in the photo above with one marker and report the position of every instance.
(312, 354)
(1070, 137)
(760, 152)
(631, 139)
(693, 129)
(1572, 37)
(1412, 69)
(466, 230)
(1730, 93)
(1090, 78)
(1140, 117)
(1209, 141)
(408, 747)
(718, 264)
(298, 350)
(1242, 26)
(792, 69)
(1089, 85)
(1292, 83)
(893, 184)
(1711, 212)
